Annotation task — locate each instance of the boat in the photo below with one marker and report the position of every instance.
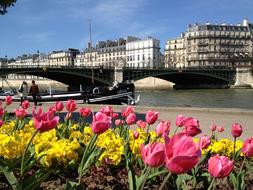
(119, 93)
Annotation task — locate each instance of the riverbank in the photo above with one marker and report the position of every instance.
(206, 116)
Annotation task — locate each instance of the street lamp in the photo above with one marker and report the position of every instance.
(38, 52)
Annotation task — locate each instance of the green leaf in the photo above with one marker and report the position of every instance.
(33, 182)
(232, 179)
(181, 179)
(8, 173)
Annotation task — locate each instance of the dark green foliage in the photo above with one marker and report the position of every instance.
(4, 4)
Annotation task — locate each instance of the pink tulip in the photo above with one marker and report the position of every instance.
(204, 142)
(151, 117)
(44, 121)
(181, 153)
(162, 127)
(107, 110)
(115, 115)
(52, 109)
(192, 127)
(180, 120)
(153, 154)
(68, 116)
(71, 105)
(21, 113)
(213, 127)
(136, 135)
(119, 122)
(220, 129)
(59, 106)
(131, 119)
(236, 130)
(141, 124)
(101, 122)
(8, 100)
(126, 111)
(25, 104)
(220, 166)
(1, 111)
(85, 112)
(1, 122)
(247, 147)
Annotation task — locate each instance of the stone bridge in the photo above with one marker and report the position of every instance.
(203, 77)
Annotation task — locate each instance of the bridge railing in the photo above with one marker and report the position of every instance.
(125, 67)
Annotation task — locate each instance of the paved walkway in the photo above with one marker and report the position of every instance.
(206, 116)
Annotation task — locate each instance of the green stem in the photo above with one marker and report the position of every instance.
(145, 178)
(148, 128)
(23, 156)
(211, 186)
(84, 158)
(175, 130)
(243, 162)
(165, 181)
(234, 147)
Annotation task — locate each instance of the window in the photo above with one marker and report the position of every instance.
(143, 56)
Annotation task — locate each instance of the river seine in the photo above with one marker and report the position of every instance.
(208, 98)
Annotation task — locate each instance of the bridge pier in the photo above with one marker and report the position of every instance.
(244, 77)
(118, 71)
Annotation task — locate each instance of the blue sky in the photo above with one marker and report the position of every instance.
(48, 25)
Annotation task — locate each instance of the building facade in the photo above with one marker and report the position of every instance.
(133, 52)
(143, 52)
(63, 57)
(211, 45)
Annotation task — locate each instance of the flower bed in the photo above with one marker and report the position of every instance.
(40, 152)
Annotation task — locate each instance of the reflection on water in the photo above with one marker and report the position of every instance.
(210, 98)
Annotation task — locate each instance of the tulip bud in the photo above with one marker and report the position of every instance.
(25, 104)
(58, 106)
(204, 142)
(136, 135)
(131, 119)
(213, 127)
(8, 100)
(220, 129)
(162, 127)
(180, 120)
(141, 124)
(151, 117)
(236, 130)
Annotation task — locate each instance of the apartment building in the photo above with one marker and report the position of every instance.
(211, 45)
(63, 57)
(132, 51)
(143, 52)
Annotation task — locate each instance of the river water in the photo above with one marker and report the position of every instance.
(208, 98)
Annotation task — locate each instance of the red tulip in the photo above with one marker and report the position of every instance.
(141, 124)
(1, 122)
(247, 147)
(25, 104)
(204, 142)
(180, 120)
(181, 153)
(136, 135)
(8, 100)
(115, 115)
(236, 130)
(126, 111)
(59, 106)
(21, 113)
(131, 119)
(162, 127)
(192, 127)
(1, 111)
(119, 122)
(85, 112)
(107, 110)
(153, 154)
(151, 117)
(213, 127)
(101, 122)
(71, 105)
(220, 129)
(45, 121)
(220, 166)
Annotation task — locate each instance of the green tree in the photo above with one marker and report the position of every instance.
(4, 4)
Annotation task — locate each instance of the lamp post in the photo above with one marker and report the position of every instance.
(38, 53)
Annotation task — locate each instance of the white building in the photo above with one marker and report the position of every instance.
(143, 52)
